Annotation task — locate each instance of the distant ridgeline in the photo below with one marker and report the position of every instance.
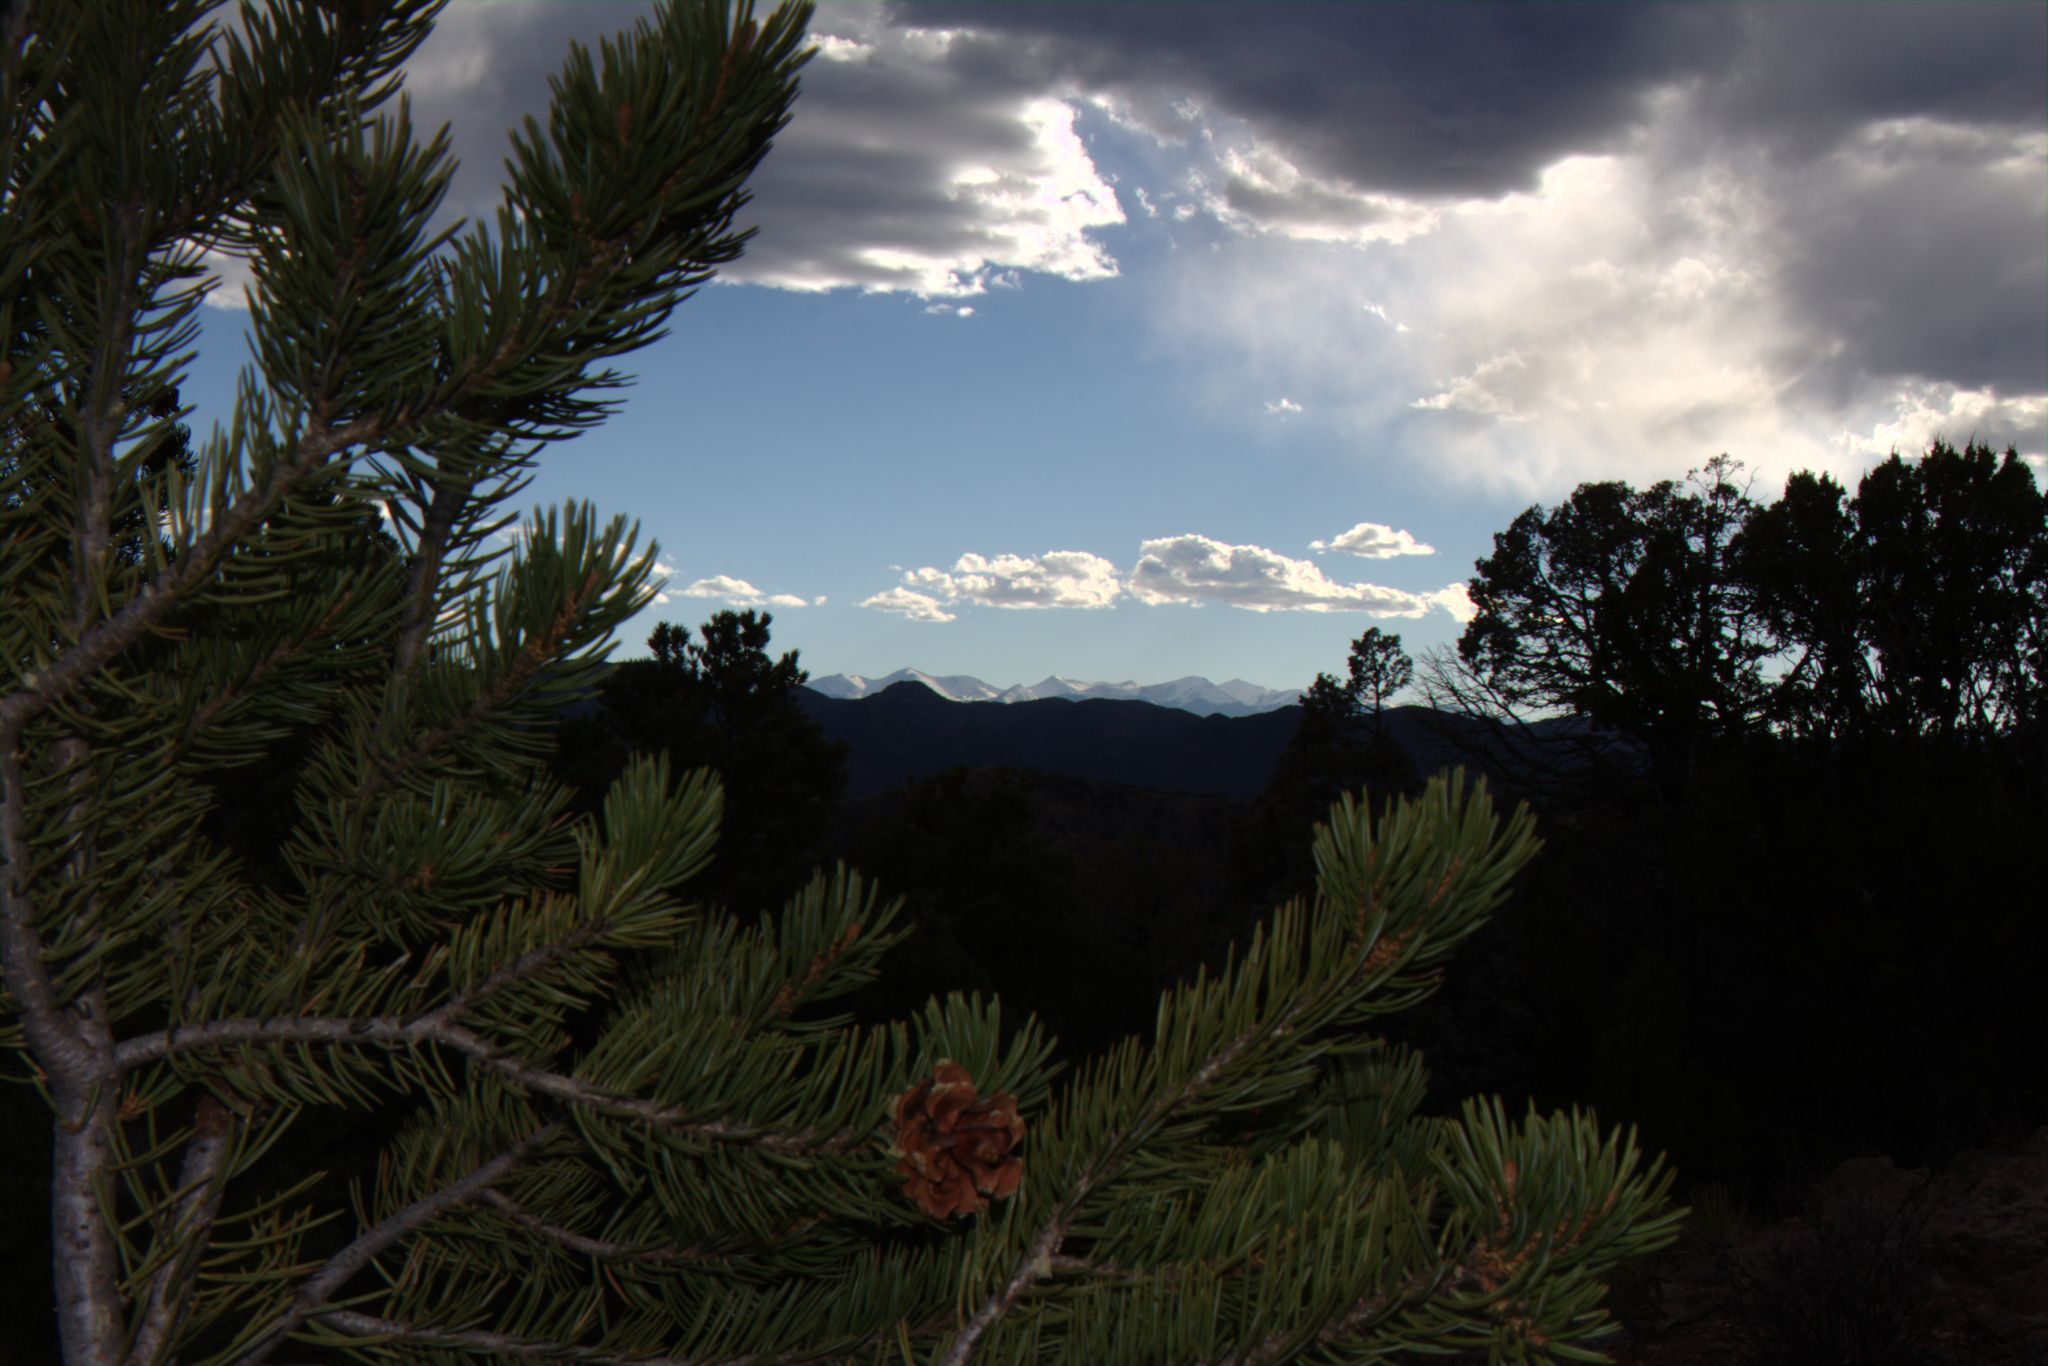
(1191, 694)
(911, 729)
(908, 731)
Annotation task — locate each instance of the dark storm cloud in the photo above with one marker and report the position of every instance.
(1475, 99)
(1435, 101)
(1805, 76)
(1932, 271)
(1892, 179)
(1874, 176)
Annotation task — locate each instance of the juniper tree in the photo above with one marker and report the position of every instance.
(633, 1129)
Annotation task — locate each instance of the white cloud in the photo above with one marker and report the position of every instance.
(739, 593)
(1195, 569)
(1282, 406)
(1059, 578)
(1456, 601)
(904, 172)
(1922, 412)
(1261, 191)
(1371, 541)
(832, 48)
(1634, 313)
(903, 602)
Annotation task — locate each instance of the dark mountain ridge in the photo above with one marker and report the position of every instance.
(907, 731)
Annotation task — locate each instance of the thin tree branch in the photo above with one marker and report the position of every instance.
(425, 575)
(536, 1349)
(202, 1179)
(343, 1266)
(161, 596)
(395, 1031)
(530, 660)
(605, 1250)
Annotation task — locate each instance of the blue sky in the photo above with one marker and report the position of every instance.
(1126, 342)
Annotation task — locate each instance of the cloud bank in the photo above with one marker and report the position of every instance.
(1618, 239)
(1188, 570)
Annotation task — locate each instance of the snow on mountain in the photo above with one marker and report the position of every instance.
(1191, 694)
(952, 687)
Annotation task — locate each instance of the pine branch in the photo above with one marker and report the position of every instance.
(605, 1250)
(202, 1178)
(52, 1034)
(1038, 1256)
(157, 599)
(285, 650)
(398, 1031)
(536, 1349)
(343, 1266)
(421, 599)
(536, 654)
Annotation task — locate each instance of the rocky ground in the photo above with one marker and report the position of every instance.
(1885, 1267)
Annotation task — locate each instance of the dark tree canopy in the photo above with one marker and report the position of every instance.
(1685, 617)
(1623, 606)
(722, 702)
(1378, 669)
(1918, 608)
(1952, 551)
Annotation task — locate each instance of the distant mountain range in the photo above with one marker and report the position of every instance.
(1197, 695)
(911, 731)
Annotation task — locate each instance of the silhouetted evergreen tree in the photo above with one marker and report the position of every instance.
(1624, 606)
(1340, 745)
(1919, 608)
(721, 703)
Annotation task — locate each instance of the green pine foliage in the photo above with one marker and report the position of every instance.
(424, 929)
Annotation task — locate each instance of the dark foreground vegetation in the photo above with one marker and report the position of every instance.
(1787, 910)
(1787, 914)
(366, 1000)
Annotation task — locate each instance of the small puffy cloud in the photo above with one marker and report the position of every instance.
(1371, 541)
(1195, 569)
(1282, 406)
(1456, 601)
(912, 606)
(739, 593)
(1059, 578)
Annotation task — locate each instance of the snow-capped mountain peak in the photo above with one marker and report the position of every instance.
(1193, 693)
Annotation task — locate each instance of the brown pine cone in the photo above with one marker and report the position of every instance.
(957, 1149)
